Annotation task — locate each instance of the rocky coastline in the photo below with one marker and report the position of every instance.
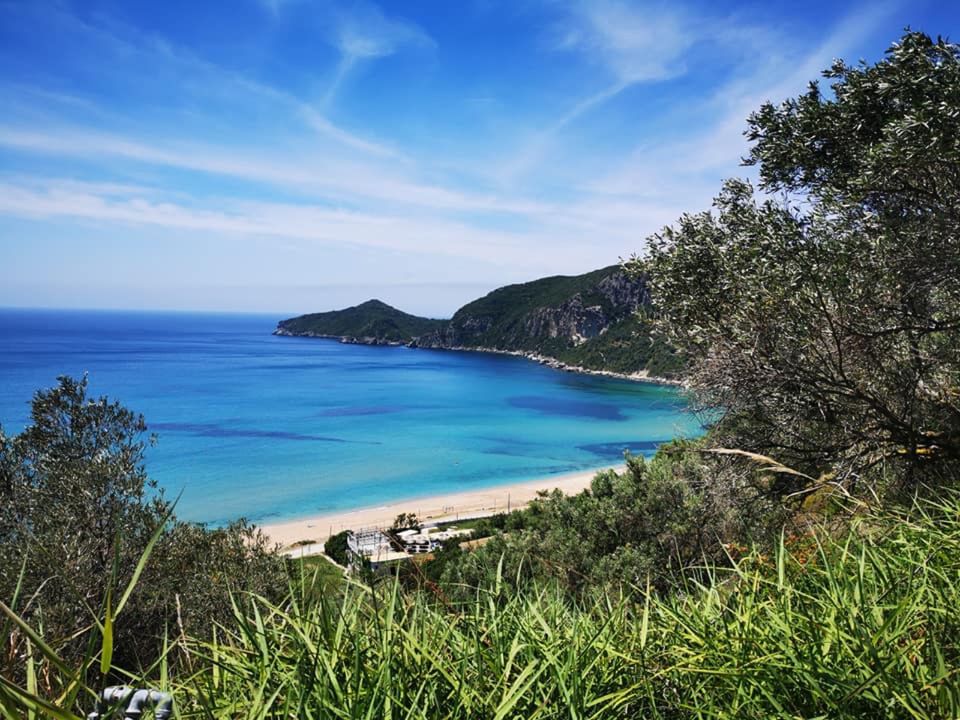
(639, 376)
(346, 339)
(589, 324)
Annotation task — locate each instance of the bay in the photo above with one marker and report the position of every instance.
(272, 428)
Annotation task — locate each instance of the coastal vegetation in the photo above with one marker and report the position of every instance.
(801, 560)
(824, 327)
(77, 515)
(849, 625)
(642, 527)
(596, 321)
(335, 547)
(373, 322)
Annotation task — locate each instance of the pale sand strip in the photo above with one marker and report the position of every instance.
(462, 505)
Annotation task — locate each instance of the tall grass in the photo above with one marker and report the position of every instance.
(861, 625)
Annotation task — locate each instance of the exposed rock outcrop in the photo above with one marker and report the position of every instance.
(585, 314)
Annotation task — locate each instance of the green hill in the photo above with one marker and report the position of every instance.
(373, 322)
(591, 321)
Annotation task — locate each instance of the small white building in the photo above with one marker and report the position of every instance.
(428, 539)
(375, 547)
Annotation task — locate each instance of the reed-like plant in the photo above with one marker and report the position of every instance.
(860, 624)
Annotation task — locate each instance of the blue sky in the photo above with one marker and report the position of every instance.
(300, 155)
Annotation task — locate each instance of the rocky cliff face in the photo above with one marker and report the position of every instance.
(624, 292)
(571, 321)
(513, 319)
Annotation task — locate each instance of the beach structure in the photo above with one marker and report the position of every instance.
(377, 549)
(372, 545)
(428, 539)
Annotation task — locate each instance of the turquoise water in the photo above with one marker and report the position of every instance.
(274, 428)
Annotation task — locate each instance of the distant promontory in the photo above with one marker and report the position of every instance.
(588, 323)
(370, 323)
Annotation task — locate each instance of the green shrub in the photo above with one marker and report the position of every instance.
(77, 511)
(336, 547)
(654, 519)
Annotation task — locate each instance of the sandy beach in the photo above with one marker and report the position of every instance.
(452, 506)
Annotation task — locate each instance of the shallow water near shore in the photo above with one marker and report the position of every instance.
(275, 428)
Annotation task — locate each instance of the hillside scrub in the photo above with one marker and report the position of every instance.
(592, 321)
(851, 625)
(860, 625)
(655, 519)
(373, 319)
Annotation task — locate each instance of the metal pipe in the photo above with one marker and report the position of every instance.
(161, 702)
(110, 699)
(113, 698)
(163, 710)
(135, 708)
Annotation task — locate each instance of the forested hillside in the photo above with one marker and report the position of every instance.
(593, 321)
(373, 322)
(596, 321)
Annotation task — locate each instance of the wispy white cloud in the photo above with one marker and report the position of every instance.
(336, 181)
(635, 43)
(691, 165)
(536, 147)
(124, 55)
(358, 30)
(274, 7)
(361, 32)
(414, 233)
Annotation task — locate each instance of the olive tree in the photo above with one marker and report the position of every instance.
(75, 491)
(77, 511)
(821, 320)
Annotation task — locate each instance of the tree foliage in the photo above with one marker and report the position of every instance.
(824, 320)
(652, 521)
(406, 521)
(77, 510)
(335, 548)
(372, 319)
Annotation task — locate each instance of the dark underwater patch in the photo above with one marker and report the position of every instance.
(293, 366)
(369, 410)
(574, 408)
(211, 430)
(616, 449)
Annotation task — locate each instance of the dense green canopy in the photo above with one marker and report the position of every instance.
(824, 317)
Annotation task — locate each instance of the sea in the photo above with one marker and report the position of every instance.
(270, 428)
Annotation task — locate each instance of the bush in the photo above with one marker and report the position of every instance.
(818, 625)
(77, 512)
(336, 548)
(860, 624)
(657, 518)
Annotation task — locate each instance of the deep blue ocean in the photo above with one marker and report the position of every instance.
(274, 428)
